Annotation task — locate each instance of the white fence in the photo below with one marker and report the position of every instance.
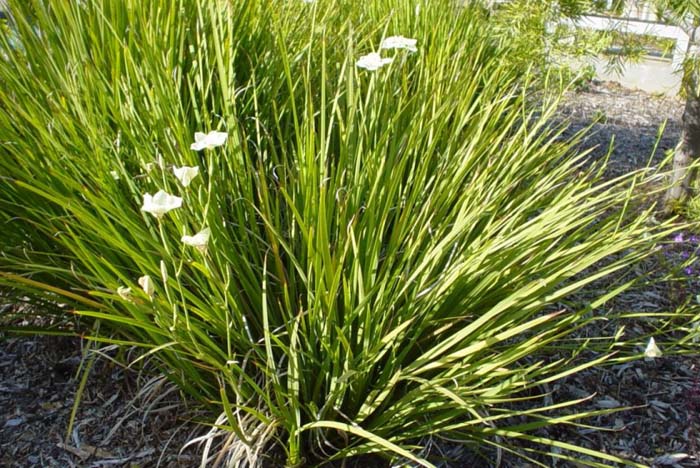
(650, 74)
(637, 17)
(636, 26)
(637, 10)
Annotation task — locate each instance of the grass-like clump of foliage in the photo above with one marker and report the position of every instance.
(363, 259)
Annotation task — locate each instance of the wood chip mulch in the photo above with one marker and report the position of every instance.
(123, 419)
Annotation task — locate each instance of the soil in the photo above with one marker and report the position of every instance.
(127, 418)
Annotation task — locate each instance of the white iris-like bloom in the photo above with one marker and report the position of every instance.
(208, 141)
(185, 174)
(652, 351)
(373, 61)
(160, 203)
(124, 292)
(199, 240)
(399, 42)
(146, 284)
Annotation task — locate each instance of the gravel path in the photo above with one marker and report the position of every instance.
(118, 426)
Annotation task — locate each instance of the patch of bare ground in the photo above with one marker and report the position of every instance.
(127, 419)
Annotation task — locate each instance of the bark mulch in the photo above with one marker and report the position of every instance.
(124, 419)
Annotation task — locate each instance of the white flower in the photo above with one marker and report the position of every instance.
(208, 141)
(373, 61)
(124, 292)
(652, 351)
(146, 284)
(399, 42)
(160, 203)
(185, 174)
(199, 240)
(114, 174)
